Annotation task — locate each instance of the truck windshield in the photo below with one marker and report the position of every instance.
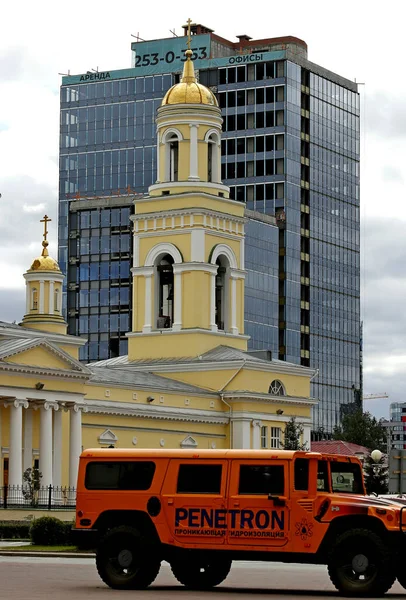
(346, 478)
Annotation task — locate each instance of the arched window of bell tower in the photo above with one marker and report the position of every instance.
(213, 156)
(222, 293)
(171, 140)
(165, 291)
(56, 300)
(34, 299)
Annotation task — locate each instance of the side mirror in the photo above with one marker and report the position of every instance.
(277, 500)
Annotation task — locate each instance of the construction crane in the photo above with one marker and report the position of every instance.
(373, 396)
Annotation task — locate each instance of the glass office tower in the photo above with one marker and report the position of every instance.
(290, 152)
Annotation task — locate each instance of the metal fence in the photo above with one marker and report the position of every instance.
(45, 498)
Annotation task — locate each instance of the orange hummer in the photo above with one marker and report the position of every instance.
(200, 510)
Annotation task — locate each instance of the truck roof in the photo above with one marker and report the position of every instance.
(203, 454)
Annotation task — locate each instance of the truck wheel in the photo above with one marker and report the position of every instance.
(360, 564)
(201, 574)
(124, 562)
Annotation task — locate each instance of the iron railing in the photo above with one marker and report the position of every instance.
(46, 497)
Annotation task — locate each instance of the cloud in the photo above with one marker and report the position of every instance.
(12, 305)
(385, 115)
(391, 174)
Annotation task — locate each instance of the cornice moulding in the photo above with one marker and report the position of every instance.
(157, 412)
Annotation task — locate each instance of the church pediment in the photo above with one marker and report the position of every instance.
(107, 437)
(188, 442)
(38, 353)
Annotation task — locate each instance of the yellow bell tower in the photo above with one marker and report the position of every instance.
(43, 282)
(188, 269)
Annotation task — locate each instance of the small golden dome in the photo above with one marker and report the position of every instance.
(188, 91)
(44, 263)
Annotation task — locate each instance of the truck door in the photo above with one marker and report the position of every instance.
(194, 501)
(258, 504)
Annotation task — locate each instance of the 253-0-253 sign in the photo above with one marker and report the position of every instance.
(154, 58)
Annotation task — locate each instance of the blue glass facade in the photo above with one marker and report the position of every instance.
(290, 151)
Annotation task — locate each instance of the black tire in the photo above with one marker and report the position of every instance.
(201, 574)
(360, 564)
(124, 561)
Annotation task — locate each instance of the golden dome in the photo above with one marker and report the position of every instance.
(188, 91)
(44, 263)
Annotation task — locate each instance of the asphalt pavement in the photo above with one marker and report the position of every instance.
(76, 579)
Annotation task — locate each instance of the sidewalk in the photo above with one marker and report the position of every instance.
(4, 551)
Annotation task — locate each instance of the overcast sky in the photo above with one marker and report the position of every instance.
(357, 39)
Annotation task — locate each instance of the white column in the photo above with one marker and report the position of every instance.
(75, 444)
(158, 146)
(213, 325)
(51, 298)
(15, 476)
(177, 313)
(45, 444)
(256, 435)
(148, 303)
(241, 434)
(194, 168)
(216, 168)
(57, 457)
(234, 328)
(27, 460)
(41, 297)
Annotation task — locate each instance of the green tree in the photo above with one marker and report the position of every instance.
(293, 431)
(364, 429)
(376, 476)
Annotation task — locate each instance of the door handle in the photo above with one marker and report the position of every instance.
(236, 504)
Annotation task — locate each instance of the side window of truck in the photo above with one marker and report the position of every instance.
(199, 479)
(261, 479)
(134, 475)
(322, 476)
(301, 474)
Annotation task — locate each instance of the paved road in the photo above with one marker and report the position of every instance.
(76, 579)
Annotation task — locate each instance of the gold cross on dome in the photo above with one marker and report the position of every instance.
(189, 36)
(45, 220)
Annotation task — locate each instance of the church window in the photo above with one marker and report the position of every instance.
(221, 293)
(56, 300)
(276, 388)
(34, 299)
(212, 158)
(172, 157)
(165, 292)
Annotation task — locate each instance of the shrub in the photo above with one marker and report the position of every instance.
(13, 530)
(49, 531)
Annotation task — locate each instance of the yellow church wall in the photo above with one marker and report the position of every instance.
(149, 434)
(259, 381)
(138, 303)
(139, 397)
(70, 349)
(39, 324)
(55, 384)
(176, 345)
(182, 242)
(265, 407)
(38, 357)
(240, 305)
(255, 381)
(196, 299)
(210, 380)
(163, 203)
(212, 240)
